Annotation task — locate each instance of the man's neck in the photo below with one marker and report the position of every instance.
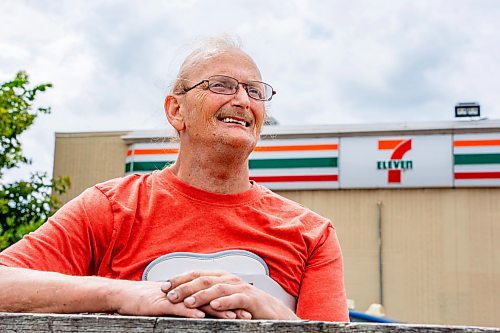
(213, 170)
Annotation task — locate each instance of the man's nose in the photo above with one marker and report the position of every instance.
(241, 97)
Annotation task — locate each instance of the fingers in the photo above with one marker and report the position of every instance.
(233, 314)
(243, 314)
(190, 276)
(233, 301)
(227, 314)
(146, 298)
(166, 286)
(258, 304)
(185, 278)
(181, 310)
(184, 292)
(216, 291)
(195, 283)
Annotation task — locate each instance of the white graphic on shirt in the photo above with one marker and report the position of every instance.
(249, 266)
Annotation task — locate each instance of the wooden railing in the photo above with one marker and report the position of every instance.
(19, 322)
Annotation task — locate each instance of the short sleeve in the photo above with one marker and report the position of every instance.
(322, 293)
(72, 241)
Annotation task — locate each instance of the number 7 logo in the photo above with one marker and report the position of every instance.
(395, 165)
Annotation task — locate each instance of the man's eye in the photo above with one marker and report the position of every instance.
(217, 85)
(255, 92)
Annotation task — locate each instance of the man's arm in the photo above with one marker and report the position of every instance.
(322, 293)
(26, 290)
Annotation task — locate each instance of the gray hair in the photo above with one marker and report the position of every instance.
(207, 48)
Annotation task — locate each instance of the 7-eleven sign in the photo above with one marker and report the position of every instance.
(396, 164)
(396, 161)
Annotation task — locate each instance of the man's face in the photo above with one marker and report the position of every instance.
(210, 118)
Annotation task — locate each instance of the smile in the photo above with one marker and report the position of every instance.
(232, 120)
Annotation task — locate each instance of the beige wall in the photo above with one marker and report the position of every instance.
(88, 158)
(441, 248)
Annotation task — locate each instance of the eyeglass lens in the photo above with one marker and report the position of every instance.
(221, 84)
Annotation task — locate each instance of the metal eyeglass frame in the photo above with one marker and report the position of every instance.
(244, 85)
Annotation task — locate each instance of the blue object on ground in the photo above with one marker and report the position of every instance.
(357, 316)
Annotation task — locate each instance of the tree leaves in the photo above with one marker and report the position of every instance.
(24, 205)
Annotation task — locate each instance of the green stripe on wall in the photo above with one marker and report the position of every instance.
(147, 166)
(321, 162)
(289, 163)
(477, 158)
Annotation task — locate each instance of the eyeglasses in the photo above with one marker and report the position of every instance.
(226, 85)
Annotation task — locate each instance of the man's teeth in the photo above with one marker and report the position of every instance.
(231, 120)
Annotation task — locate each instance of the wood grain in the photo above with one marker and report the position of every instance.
(20, 322)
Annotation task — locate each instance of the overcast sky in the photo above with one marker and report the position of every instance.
(331, 62)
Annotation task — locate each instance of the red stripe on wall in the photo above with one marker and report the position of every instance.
(477, 175)
(280, 179)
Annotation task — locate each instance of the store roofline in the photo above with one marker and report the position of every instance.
(310, 131)
(345, 130)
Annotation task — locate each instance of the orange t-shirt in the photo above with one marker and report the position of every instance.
(115, 229)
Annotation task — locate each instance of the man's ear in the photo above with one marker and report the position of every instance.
(173, 113)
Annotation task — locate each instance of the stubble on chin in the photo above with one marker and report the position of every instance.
(216, 138)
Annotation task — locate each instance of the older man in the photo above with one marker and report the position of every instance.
(90, 255)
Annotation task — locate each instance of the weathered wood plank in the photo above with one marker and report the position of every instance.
(18, 322)
(13, 322)
(259, 326)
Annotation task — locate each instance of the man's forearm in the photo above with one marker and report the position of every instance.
(25, 290)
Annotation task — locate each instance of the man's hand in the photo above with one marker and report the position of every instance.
(147, 299)
(225, 295)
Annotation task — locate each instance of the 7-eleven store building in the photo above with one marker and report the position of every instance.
(416, 206)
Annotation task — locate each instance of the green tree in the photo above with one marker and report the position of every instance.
(24, 205)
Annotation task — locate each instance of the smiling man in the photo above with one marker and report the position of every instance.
(203, 239)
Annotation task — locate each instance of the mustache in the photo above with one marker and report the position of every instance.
(236, 112)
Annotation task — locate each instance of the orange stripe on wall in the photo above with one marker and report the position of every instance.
(476, 143)
(303, 147)
(160, 151)
(388, 144)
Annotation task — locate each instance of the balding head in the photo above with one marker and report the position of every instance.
(209, 48)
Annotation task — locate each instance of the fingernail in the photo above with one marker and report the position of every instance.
(172, 295)
(230, 315)
(165, 287)
(199, 314)
(245, 314)
(215, 304)
(189, 301)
